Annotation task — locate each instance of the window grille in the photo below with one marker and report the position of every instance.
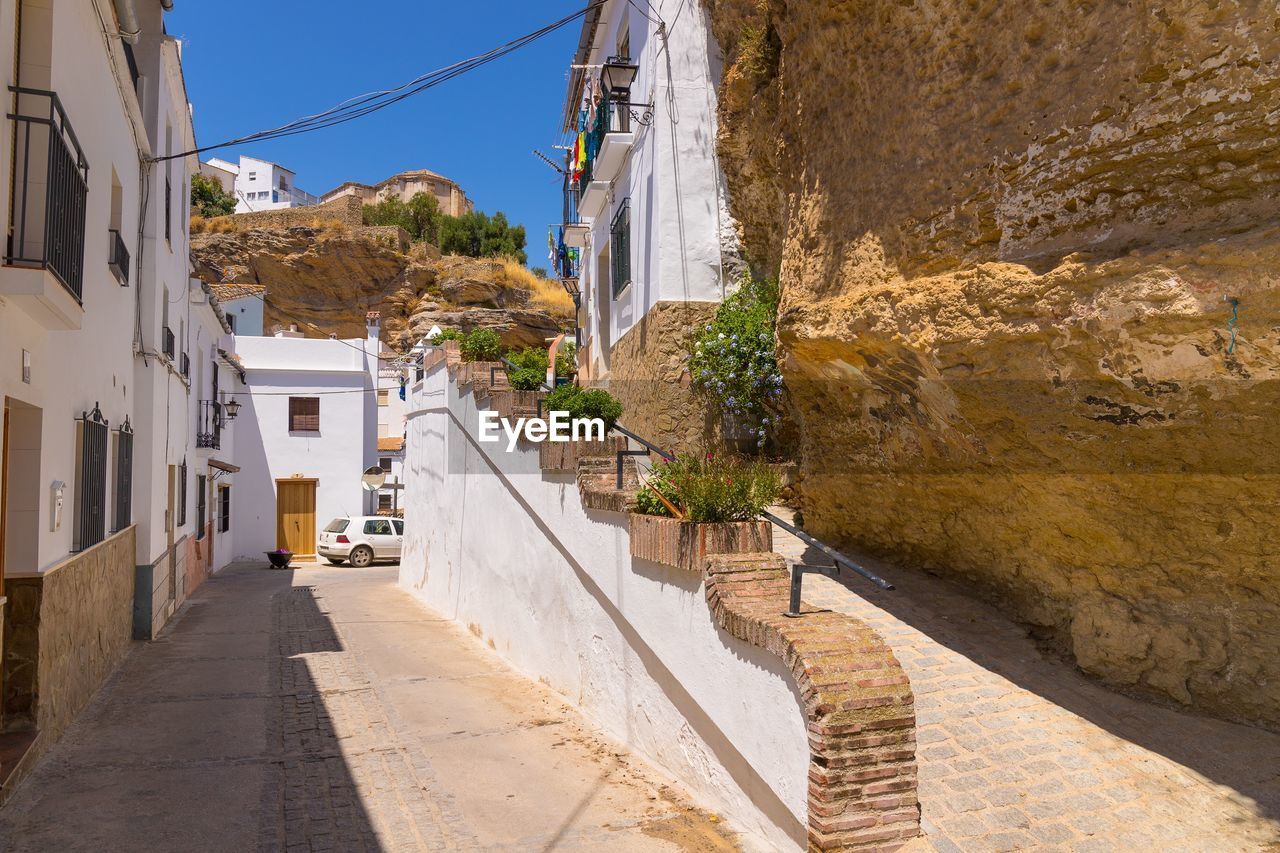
(91, 481)
(202, 495)
(168, 209)
(124, 477)
(304, 414)
(620, 248)
(182, 493)
(224, 509)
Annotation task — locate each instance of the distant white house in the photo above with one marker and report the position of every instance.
(306, 433)
(258, 184)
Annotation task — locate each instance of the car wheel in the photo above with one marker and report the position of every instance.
(361, 556)
(334, 562)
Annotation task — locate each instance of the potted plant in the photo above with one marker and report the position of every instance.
(280, 558)
(695, 506)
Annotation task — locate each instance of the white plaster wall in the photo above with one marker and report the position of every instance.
(494, 542)
(672, 177)
(71, 370)
(338, 372)
(247, 311)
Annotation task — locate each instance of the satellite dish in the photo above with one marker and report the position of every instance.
(373, 479)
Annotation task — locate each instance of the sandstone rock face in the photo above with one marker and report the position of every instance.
(1011, 239)
(327, 277)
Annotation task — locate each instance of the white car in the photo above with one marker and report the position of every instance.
(361, 540)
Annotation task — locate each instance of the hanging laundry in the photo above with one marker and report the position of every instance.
(551, 246)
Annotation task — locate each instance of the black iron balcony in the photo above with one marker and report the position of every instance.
(169, 345)
(49, 190)
(209, 431)
(118, 256)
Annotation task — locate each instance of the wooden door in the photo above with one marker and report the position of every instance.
(296, 516)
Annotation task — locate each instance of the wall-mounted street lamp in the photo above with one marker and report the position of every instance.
(618, 75)
(233, 409)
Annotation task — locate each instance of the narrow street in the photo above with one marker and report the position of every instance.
(324, 709)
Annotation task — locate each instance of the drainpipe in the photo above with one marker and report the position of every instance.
(130, 29)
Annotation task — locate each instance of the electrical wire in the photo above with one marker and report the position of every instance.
(362, 105)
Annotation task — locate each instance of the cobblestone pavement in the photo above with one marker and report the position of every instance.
(323, 709)
(1019, 751)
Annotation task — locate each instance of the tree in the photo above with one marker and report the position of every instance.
(420, 218)
(209, 199)
(478, 235)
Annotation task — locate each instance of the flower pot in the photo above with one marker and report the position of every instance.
(687, 544)
(279, 560)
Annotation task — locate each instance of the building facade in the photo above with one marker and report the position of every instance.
(647, 241)
(404, 186)
(306, 433)
(258, 184)
(96, 324)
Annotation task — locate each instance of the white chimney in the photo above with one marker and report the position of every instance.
(373, 322)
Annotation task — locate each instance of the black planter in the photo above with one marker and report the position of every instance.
(278, 560)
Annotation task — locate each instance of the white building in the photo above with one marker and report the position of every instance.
(258, 184)
(648, 210)
(391, 433)
(97, 324)
(306, 433)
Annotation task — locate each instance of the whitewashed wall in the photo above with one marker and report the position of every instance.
(71, 370)
(338, 372)
(672, 178)
(494, 542)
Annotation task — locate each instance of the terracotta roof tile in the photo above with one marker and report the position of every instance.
(392, 444)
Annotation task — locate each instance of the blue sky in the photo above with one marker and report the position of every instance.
(252, 65)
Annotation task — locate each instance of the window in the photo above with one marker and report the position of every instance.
(384, 501)
(399, 526)
(168, 209)
(284, 185)
(338, 525)
(202, 492)
(253, 176)
(377, 527)
(124, 477)
(385, 462)
(231, 321)
(182, 493)
(620, 248)
(91, 481)
(384, 396)
(224, 509)
(304, 414)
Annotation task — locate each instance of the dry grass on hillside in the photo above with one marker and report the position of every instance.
(546, 294)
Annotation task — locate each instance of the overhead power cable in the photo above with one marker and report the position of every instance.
(362, 105)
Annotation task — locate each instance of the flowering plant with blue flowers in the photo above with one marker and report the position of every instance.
(734, 358)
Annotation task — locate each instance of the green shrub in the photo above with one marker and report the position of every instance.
(711, 489)
(481, 345)
(585, 403)
(444, 335)
(734, 358)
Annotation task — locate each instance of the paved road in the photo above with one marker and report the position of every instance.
(1019, 751)
(324, 709)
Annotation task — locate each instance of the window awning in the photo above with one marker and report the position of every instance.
(223, 467)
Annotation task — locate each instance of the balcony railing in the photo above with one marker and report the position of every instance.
(209, 428)
(168, 345)
(49, 190)
(118, 256)
(295, 196)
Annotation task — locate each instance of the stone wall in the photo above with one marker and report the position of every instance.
(649, 374)
(1011, 238)
(346, 210)
(160, 589)
(67, 630)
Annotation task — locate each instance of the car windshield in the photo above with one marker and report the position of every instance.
(337, 525)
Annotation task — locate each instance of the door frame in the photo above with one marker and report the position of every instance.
(314, 482)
